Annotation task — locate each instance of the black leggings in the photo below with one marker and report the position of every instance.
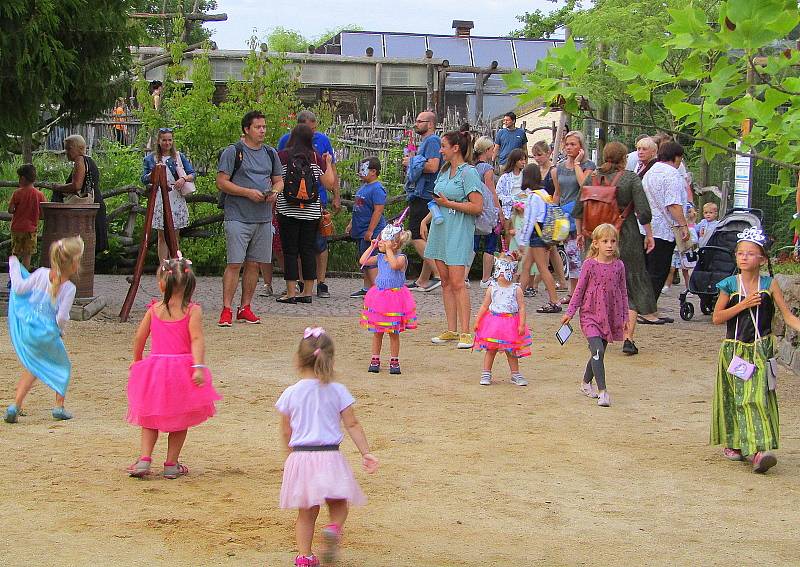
(595, 367)
(299, 238)
(658, 263)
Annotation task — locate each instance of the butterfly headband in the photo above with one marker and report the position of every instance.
(754, 235)
(390, 231)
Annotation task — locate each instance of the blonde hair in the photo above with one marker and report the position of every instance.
(578, 135)
(691, 215)
(541, 147)
(402, 239)
(648, 143)
(482, 145)
(77, 141)
(177, 275)
(709, 205)
(316, 353)
(605, 230)
(64, 254)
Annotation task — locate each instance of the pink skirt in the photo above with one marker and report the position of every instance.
(389, 310)
(163, 396)
(499, 331)
(311, 477)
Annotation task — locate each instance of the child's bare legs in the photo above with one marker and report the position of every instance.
(513, 362)
(394, 345)
(525, 272)
(23, 387)
(59, 401)
(337, 510)
(541, 257)
(488, 266)
(377, 344)
(149, 438)
(488, 360)
(175, 443)
(685, 272)
(558, 267)
(304, 529)
(668, 283)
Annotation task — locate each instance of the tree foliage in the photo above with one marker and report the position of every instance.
(285, 40)
(159, 31)
(698, 70)
(58, 57)
(538, 24)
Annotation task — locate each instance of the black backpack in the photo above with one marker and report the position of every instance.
(300, 187)
(237, 163)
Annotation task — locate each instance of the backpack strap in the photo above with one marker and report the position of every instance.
(237, 161)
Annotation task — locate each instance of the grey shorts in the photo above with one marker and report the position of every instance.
(248, 242)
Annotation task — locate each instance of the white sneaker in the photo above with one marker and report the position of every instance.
(665, 289)
(588, 389)
(486, 380)
(486, 283)
(604, 400)
(519, 380)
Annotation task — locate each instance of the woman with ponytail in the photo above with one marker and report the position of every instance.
(458, 194)
(38, 311)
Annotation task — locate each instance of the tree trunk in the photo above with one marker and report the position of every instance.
(27, 148)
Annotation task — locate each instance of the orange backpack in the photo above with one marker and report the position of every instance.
(600, 204)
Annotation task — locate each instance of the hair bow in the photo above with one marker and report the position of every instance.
(313, 332)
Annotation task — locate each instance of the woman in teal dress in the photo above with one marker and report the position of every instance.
(745, 407)
(457, 192)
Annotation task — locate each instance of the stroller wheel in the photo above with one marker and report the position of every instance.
(707, 307)
(687, 311)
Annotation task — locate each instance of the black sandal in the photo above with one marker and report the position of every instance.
(286, 299)
(303, 299)
(549, 308)
(642, 321)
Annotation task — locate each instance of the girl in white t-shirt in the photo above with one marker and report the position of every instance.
(315, 472)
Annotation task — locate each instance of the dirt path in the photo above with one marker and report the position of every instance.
(470, 475)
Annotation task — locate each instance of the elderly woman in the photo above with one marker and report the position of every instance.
(83, 187)
(568, 177)
(450, 243)
(632, 244)
(179, 173)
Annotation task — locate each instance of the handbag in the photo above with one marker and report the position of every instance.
(326, 224)
(680, 244)
(188, 186)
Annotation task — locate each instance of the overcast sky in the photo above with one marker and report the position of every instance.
(312, 18)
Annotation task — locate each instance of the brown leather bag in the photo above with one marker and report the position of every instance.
(600, 204)
(326, 224)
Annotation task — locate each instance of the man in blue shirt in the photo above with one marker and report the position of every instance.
(368, 220)
(509, 138)
(430, 148)
(322, 145)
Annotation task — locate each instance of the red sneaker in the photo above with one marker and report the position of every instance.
(226, 317)
(246, 314)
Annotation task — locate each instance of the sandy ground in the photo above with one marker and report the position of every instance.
(470, 475)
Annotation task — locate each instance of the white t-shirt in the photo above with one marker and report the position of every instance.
(314, 410)
(664, 186)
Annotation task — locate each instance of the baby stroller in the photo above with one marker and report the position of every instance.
(716, 260)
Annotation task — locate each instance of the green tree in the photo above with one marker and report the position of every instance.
(283, 40)
(709, 77)
(58, 58)
(159, 31)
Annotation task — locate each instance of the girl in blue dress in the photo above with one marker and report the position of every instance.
(38, 311)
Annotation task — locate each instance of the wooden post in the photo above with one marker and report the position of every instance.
(158, 180)
(378, 91)
(429, 87)
(479, 97)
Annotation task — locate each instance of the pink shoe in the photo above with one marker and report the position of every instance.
(332, 536)
(732, 454)
(303, 561)
(763, 461)
(588, 389)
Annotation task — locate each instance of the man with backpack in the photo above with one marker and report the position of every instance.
(249, 175)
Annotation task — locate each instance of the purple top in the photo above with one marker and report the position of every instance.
(602, 297)
(387, 277)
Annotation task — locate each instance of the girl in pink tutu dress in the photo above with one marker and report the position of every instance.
(171, 389)
(315, 472)
(388, 305)
(500, 322)
(602, 297)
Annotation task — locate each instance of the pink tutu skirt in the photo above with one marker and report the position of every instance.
(311, 477)
(163, 396)
(499, 331)
(389, 310)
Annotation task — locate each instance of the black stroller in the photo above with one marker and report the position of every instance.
(716, 260)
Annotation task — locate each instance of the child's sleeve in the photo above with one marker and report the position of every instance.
(282, 404)
(64, 305)
(18, 283)
(580, 289)
(346, 399)
(529, 221)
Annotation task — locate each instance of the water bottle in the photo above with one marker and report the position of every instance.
(435, 212)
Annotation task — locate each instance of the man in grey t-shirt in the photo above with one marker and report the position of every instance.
(250, 193)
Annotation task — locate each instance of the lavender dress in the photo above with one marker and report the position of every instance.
(602, 297)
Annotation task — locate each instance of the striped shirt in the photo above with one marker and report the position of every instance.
(312, 211)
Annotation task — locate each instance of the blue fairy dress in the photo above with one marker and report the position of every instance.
(36, 322)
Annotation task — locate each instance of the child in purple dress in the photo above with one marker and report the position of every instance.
(602, 297)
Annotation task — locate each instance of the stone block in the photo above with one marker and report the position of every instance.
(85, 308)
(786, 352)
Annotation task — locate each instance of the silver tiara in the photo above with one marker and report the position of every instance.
(390, 231)
(754, 235)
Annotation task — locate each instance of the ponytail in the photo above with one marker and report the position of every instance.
(64, 254)
(316, 353)
(177, 275)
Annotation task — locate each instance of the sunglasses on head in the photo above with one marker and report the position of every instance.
(165, 130)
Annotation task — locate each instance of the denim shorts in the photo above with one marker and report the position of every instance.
(489, 243)
(362, 247)
(537, 242)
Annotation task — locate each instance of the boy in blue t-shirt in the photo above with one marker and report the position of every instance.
(368, 219)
